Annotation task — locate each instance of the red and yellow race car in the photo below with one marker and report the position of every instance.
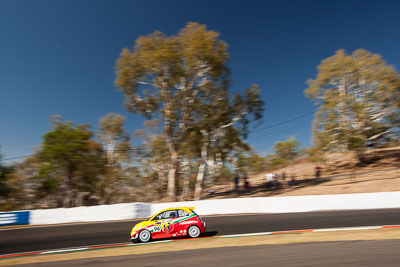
(169, 223)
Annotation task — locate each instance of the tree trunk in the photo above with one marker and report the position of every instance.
(67, 202)
(172, 174)
(199, 181)
(161, 179)
(219, 166)
(110, 152)
(185, 190)
(345, 122)
(186, 181)
(211, 167)
(202, 168)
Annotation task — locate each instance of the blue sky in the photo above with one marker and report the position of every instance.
(57, 57)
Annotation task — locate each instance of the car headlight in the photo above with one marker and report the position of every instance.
(134, 229)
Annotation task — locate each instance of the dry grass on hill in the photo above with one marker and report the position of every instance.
(342, 173)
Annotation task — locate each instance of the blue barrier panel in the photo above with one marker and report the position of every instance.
(14, 218)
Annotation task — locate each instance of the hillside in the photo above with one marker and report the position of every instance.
(341, 173)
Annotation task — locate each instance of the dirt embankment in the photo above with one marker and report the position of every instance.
(341, 173)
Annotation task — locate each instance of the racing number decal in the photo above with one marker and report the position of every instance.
(164, 226)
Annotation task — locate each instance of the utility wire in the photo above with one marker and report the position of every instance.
(265, 145)
(257, 130)
(260, 138)
(284, 122)
(273, 132)
(20, 157)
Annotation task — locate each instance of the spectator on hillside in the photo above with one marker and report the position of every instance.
(283, 176)
(283, 179)
(236, 181)
(271, 179)
(317, 172)
(246, 183)
(292, 180)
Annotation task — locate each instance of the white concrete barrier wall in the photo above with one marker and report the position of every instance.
(221, 206)
(89, 214)
(290, 204)
(218, 206)
(329, 202)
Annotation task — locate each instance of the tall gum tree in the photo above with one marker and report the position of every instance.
(183, 80)
(116, 143)
(163, 77)
(358, 101)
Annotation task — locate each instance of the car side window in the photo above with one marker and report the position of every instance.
(170, 214)
(182, 213)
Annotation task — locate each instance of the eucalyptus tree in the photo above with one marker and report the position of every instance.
(71, 162)
(5, 189)
(358, 101)
(116, 143)
(287, 150)
(163, 76)
(176, 79)
(114, 137)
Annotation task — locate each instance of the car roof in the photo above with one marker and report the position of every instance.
(187, 209)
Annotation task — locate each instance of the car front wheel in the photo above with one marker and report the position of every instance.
(193, 231)
(144, 236)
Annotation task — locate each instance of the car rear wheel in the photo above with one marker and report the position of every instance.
(144, 236)
(193, 231)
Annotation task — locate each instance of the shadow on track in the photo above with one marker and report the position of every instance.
(209, 234)
(205, 234)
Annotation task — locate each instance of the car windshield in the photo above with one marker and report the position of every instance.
(156, 217)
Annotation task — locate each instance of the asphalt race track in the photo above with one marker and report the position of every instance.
(75, 235)
(349, 253)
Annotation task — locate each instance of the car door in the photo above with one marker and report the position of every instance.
(180, 226)
(167, 224)
(157, 225)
